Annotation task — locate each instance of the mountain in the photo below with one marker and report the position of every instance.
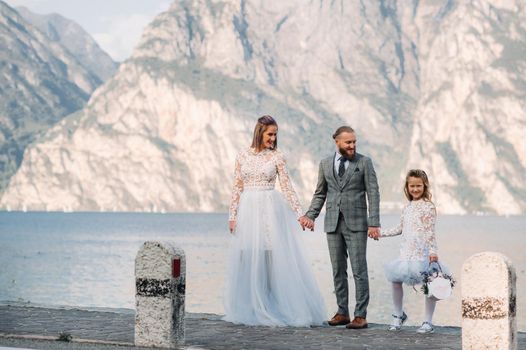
(162, 134)
(40, 83)
(470, 117)
(75, 39)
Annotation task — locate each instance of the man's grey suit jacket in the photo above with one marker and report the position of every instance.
(347, 195)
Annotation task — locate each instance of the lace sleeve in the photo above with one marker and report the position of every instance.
(395, 231)
(427, 218)
(286, 185)
(236, 190)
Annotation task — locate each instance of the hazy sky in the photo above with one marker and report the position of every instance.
(116, 25)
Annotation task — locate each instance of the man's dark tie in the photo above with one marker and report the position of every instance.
(341, 168)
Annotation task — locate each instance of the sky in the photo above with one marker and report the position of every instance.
(116, 25)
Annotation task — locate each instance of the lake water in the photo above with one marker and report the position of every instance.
(87, 259)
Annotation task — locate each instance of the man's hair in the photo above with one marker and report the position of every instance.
(261, 126)
(341, 130)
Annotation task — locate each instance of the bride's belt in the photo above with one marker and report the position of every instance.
(258, 187)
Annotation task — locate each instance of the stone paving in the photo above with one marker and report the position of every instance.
(38, 328)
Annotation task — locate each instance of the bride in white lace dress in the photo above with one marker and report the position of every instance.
(269, 281)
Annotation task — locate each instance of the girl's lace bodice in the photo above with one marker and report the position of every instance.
(258, 171)
(418, 226)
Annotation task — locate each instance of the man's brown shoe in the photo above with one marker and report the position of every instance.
(357, 323)
(339, 320)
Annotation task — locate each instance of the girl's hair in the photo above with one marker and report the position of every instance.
(418, 173)
(261, 126)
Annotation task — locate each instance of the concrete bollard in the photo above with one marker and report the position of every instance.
(489, 302)
(160, 276)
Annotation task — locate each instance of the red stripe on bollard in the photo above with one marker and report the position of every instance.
(176, 267)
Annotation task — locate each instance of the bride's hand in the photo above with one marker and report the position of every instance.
(232, 225)
(305, 222)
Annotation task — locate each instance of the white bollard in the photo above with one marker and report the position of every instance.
(160, 276)
(489, 300)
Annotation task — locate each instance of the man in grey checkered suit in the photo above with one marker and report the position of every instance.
(346, 183)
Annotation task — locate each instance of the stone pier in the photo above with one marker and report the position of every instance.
(489, 303)
(160, 279)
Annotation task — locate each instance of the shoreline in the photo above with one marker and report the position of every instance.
(105, 328)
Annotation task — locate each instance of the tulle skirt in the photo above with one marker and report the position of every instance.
(269, 280)
(410, 271)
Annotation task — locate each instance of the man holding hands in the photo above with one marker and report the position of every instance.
(347, 183)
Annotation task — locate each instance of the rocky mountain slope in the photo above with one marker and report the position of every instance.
(470, 119)
(162, 134)
(40, 83)
(75, 39)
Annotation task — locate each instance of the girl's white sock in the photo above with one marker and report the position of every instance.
(398, 298)
(430, 309)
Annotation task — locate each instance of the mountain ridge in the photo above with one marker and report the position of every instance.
(75, 39)
(162, 134)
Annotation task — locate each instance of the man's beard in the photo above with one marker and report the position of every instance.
(345, 153)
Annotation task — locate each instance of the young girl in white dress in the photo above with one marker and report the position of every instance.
(418, 249)
(269, 281)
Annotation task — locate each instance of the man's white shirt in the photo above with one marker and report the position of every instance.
(337, 157)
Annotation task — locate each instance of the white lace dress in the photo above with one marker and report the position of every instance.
(417, 224)
(269, 280)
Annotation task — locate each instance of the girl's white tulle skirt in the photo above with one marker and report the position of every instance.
(269, 279)
(410, 271)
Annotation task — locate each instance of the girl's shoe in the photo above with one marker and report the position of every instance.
(425, 328)
(397, 323)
